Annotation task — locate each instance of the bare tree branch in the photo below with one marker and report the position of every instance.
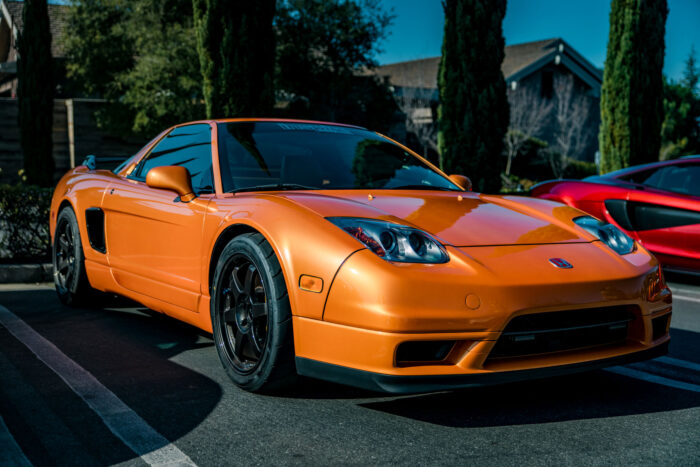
(571, 113)
(528, 116)
(417, 104)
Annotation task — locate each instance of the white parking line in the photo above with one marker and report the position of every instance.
(10, 452)
(686, 298)
(134, 431)
(680, 363)
(644, 376)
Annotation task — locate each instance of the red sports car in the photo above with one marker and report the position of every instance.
(658, 204)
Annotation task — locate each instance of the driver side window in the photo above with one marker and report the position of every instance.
(188, 146)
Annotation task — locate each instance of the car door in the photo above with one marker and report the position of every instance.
(665, 210)
(154, 239)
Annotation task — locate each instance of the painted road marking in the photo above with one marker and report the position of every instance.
(10, 452)
(644, 376)
(686, 298)
(134, 431)
(679, 363)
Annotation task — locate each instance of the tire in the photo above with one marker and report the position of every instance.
(251, 316)
(70, 279)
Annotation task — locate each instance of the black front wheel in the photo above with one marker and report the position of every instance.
(251, 316)
(70, 279)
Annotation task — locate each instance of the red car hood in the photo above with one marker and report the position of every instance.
(459, 219)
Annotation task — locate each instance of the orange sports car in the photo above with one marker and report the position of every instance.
(331, 251)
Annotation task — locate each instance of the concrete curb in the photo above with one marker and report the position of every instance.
(25, 273)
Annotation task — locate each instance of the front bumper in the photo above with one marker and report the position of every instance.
(412, 384)
(374, 308)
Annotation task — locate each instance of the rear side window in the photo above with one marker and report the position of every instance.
(188, 146)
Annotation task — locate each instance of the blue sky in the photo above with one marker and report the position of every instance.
(417, 29)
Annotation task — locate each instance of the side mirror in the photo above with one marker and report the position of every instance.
(90, 162)
(174, 178)
(462, 181)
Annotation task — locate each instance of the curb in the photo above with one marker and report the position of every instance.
(25, 273)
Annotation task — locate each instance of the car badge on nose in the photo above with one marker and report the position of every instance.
(561, 263)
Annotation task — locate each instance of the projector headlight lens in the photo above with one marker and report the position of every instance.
(615, 238)
(393, 242)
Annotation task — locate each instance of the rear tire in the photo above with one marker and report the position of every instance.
(251, 316)
(70, 278)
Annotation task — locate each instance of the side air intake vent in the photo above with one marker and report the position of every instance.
(95, 222)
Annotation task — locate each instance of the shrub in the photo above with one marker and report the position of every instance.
(580, 169)
(24, 223)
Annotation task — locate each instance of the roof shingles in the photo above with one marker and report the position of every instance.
(423, 73)
(58, 20)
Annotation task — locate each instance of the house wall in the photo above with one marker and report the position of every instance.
(415, 99)
(88, 138)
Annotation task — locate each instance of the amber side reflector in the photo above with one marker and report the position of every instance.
(310, 283)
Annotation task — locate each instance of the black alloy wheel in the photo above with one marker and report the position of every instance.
(251, 316)
(70, 278)
(244, 314)
(65, 255)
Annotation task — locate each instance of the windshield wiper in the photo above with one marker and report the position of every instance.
(275, 187)
(419, 187)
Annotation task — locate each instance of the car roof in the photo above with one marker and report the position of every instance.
(279, 120)
(641, 167)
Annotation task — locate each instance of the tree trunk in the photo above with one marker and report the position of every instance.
(35, 93)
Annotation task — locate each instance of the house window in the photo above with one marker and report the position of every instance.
(547, 84)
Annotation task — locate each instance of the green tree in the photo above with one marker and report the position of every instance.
(473, 112)
(631, 104)
(325, 53)
(163, 87)
(97, 46)
(151, 62)
(35, 91)
(236, 46)
(680, 131)
(141, 56)
(691, 74)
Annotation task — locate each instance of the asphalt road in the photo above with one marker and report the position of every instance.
(137, 388)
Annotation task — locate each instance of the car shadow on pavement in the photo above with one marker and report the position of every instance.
(596, 394)
(129, 352)
(682, 278)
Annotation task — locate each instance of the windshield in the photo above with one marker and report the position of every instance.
(287, 155)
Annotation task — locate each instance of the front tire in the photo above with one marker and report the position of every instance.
(251, 316)
(70, 278)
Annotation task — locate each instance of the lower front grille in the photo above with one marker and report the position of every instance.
(560, 331)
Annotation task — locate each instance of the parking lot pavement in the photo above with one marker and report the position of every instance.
(121, 385)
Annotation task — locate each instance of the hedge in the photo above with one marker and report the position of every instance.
(24, 223)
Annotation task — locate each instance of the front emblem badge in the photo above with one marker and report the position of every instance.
(561, 263)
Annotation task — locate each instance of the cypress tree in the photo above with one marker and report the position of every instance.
(236, 45)
(473, 112)
(35, 93)
(631, 102)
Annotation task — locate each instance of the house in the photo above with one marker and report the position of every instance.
(11, 27)
(550, 85)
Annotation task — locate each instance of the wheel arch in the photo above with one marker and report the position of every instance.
(65, 203)
(229, 233)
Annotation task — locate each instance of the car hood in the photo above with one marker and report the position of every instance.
(460, 219)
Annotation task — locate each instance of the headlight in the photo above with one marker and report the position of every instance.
(615, 238)
(393, 242)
